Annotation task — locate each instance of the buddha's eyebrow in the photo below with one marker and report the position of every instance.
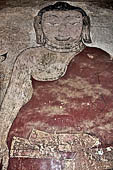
(69, 16)
(49, 16)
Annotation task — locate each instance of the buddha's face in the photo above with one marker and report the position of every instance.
(62, 27)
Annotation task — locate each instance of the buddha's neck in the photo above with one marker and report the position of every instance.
(75, 47)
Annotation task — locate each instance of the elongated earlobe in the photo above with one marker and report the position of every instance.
(38, 30)
(86, 30)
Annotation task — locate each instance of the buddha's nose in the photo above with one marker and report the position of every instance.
(62, 30)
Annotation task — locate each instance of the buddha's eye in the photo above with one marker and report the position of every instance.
(74, 23)
(52, 24)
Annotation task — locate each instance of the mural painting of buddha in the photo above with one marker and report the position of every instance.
(58, 109)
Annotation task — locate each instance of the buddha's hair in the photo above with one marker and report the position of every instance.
(58, 6)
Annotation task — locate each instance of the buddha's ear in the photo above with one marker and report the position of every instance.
(86, 30)
(38, 30)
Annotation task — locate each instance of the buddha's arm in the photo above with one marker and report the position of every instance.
(18, 93)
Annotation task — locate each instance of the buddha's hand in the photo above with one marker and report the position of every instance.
(4, 156)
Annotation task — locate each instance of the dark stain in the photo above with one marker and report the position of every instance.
(3, 57)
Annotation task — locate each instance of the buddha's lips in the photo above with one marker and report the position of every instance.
(62, 39)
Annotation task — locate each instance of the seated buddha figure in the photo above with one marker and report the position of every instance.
(58, 109)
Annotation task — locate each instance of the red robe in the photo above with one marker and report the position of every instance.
(80, 101)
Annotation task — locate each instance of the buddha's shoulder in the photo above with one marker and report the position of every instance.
(96, 52)
(33, 51)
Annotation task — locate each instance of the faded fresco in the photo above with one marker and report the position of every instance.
(57, 100)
